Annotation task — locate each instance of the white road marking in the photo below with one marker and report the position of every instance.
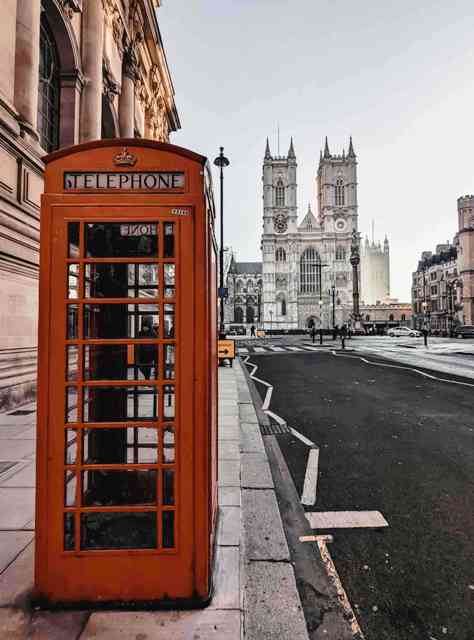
(295, 349)
(277, 418)
(259, 350)
(268, 397)
(346, 519)
(334, 577)
(258, 379)
(301, 437)
(277, 349)
(396, 366)
(311, 478)
(242, 350)
(327, 538)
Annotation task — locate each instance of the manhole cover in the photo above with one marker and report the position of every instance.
(21, 412)
(4, 466)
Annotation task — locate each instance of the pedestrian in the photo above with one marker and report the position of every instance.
(146, 353)
(252, 331)
(335, 331)
(343, 334)
(425, 336)
(313, 332)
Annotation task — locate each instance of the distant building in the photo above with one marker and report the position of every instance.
(466, 255)
(244, 282)
(389, 312)
(374, 271)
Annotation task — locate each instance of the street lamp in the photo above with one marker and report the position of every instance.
(333, 293)
(221, 161)
(320, 318)
(271, 319)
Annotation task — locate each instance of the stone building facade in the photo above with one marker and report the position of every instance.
(386, 313)
(301, 262)
(466, 255)
(70, 71)
(244, 282)
(374, 271)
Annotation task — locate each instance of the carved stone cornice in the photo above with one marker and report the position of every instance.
(70, 7)
(110, 87)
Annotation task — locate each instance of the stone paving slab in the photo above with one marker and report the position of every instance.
(279, 614)
(229, 450)
(24, 477)
(15, 449)
(14, 624)
(229, 473)
(228, 533)
(162, 625)
(12, 544)
(250, 439)
(17, 507)
(229, 433)
(247, 413)
(227, 579)
(57, 625)
(256, 472)
(266, 541)
(16, 582)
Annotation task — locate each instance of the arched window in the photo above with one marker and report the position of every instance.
(280, 194)
(283, 307)
(238, 315)
(250, 315)
(403, 318)
(367, 318)
(238, 286)
(340, 253)
(391, 318)
(310, 265)
(48, 90)
(339, 192)
(280, 255)
(249, 285)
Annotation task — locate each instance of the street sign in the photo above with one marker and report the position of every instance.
(260, 333)
(223, 292)
(226, 349)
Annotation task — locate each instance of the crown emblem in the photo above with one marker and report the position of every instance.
(125, 159)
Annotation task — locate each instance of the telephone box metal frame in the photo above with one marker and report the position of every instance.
(155, 440)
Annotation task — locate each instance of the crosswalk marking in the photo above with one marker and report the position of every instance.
(294, 348)
(277, 349)
(242, 350)
(346, 519)
(259, 350)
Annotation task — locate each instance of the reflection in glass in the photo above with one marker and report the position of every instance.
(118, 530)
(116, 404)
(169, 240)
(115, 488)
(169, 276)
(104, 280)
(120, 362)
(72, 360)
(73, 280)
(132, 445)
(169, 321)
(115, 321)
(72, 315)
(125, 239)
(143, 281)
(168, 529)
(69, 489)
(71, 404)
(69, 532)
(168, 487)
(168, 445)
(73, 239)
(169, 368)
(168, 402)
(71, 446)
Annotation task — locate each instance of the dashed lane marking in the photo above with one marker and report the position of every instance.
(242, 350)
(346, 520)
(277, 349)
(295, 348)
(308, 497)
(303, 438)
(259, 350)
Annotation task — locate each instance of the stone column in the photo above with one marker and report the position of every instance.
(127, 98)
(93, 45)
(27, 64)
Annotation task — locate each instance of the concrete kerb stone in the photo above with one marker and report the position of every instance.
(255, 472)
(264, 535)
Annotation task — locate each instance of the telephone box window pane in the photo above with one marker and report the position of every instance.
(170, 352)
(118, 404)
(121, 240)
(118, 530)
(143, 281)
(132, 445)
(170, 280)
(121, 362)
(69, 489)
(168, 529)
(73, 239)
(71, 321)
(130, 487)
(103, 280)
(72, 360)
(168, 487)
(119, 321)
(69, 532)
(71, 404)
(168, 445)
(169, 321)
(71, 446)
(169, 240)
(73, 281)
(168, 401)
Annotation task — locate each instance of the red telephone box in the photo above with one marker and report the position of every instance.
(127, 389)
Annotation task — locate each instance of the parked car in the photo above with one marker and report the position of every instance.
(464, 331)
(403, 331)
(237, 330)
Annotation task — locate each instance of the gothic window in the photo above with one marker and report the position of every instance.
(250, 315)
(280, 255)
(340, 253)
(283, 307)
(238, 286)
(48, 90)
(280, 194)
(310, 265)
(403, 318)
(238, 315)
(249, 285)
(367, 318)
(339, 192)
(391, 318)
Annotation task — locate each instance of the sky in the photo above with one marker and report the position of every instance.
(397, 76)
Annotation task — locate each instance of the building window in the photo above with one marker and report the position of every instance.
(48, 90)
(367, 318)
(391, 318)
(339, 192)
(280, 255)
(280, 194)
(340, 253)
(238, 315)
(433, 275)
(403, 318)
(310, 264)
(283, 307)
(434, 291)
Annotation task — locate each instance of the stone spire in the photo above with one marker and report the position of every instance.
(268, 155)
(291, 151)
(350, 153)
(326, 149)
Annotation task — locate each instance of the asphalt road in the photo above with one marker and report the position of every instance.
(395, 442)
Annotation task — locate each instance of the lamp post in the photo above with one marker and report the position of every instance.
(333, 293)
(271, 319)
(355, 260)
(221, 161)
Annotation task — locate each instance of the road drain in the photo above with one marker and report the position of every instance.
(274, 429)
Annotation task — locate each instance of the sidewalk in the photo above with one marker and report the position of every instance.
(255, 591)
